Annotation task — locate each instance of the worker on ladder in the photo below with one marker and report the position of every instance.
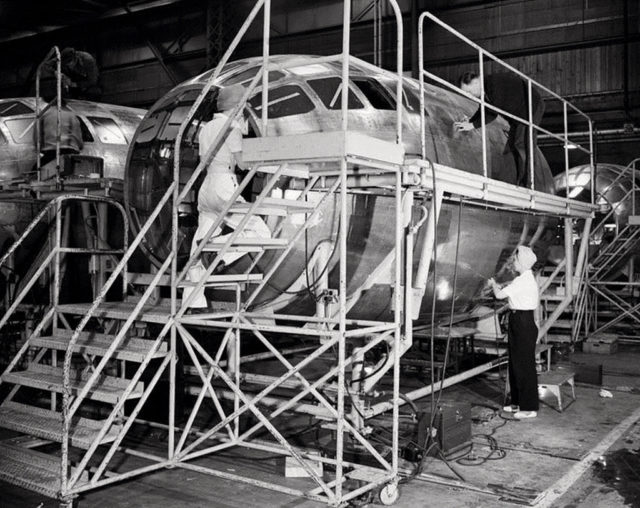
(218, 187)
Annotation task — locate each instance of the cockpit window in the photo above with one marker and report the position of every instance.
(86, 134)
(12, 108)
(284, 101)
(107, 130)
(249, 74)
(375, 93)
(330, 92)
(172, 126)
(148, 129)
(21, 129)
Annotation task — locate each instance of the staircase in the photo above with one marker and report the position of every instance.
(612, 302)
(96, 366)
(81, 379)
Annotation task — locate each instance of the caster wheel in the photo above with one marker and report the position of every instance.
(389, 494)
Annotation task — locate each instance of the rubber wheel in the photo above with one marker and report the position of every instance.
(389, 494)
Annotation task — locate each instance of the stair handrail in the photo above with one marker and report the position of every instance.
(171, 191)
(55, 203)
(346, 44)
(204, 163)
(120, 268)
(177, 196)
(68, 408)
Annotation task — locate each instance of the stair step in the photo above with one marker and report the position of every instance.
(295, 172)
(47, 424)
(44, 377)
(32, 470)
(562, 323)
(275, 206)
(151, 313)
(94, 343)
(558, 337)
(247, 244)
(144, 279)
(224, 279)
(552, 297)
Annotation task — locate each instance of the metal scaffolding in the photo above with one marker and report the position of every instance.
(322, 162)
(607, 300)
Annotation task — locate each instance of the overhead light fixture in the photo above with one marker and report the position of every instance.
(571, 146)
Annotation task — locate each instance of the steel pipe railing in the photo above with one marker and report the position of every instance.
(482, 53)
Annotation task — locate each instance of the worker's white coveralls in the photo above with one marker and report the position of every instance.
(216, 190)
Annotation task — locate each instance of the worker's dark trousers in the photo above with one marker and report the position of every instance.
(518, 142)
(523, 378)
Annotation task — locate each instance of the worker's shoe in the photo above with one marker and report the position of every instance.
(511, 409)
(521, 415)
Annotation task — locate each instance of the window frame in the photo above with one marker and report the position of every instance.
(257, 109)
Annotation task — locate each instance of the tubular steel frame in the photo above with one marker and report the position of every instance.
(600, 287)
(333, 331)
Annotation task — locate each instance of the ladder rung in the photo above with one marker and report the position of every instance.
(47, 424)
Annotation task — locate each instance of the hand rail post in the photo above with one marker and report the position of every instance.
(635, 187)
(530, 134)
(423, 129)
(266, 29)
(483, 119)
(58, 109)
(342, 241)
(592, 168)
(566, 146)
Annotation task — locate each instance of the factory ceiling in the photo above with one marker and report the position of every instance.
(28, 18)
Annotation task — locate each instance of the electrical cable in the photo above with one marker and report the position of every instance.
(448, 342)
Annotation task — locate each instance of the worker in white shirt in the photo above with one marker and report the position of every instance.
(218, 186)
(523, 297)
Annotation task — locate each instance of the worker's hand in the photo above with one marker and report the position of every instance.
(492, 282)
(463, 126)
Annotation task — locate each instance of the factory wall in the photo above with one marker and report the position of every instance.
(575, 47)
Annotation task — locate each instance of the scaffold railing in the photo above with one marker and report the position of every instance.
(483, 56)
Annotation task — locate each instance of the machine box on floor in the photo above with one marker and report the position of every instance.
(452, 422)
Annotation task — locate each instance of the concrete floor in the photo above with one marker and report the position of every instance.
(549, 461)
